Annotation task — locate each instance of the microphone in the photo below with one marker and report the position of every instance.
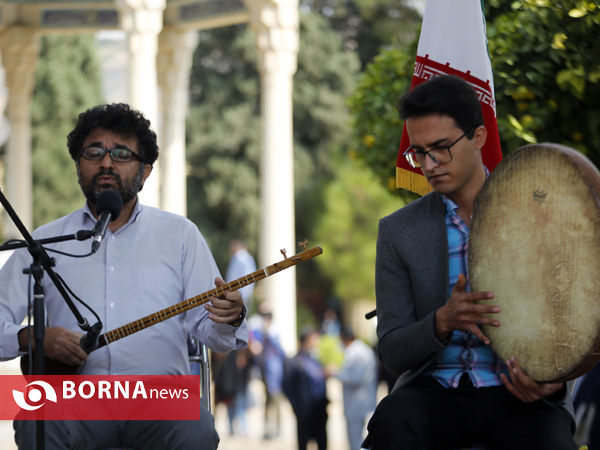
(89, 341)
(108, 207)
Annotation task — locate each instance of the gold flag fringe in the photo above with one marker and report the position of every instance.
(414, 182)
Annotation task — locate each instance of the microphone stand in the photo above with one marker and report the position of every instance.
(42, 262)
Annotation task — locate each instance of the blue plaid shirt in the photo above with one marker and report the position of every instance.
(465, 352)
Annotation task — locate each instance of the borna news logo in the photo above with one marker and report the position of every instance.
(95, 397)
(36, 397)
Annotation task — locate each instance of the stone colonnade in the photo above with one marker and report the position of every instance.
(160, 59)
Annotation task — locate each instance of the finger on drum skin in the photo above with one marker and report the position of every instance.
(491, 323)
(477, 332)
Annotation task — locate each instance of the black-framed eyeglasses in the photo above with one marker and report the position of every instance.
(122, 155)
(440, 154)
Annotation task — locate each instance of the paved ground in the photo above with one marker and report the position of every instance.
(336, 426)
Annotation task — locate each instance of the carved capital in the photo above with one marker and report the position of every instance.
(174, 61)
(275, 23)
(20, 48)
(141, 16)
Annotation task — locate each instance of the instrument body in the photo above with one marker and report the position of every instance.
(53, 367)
(535, 243)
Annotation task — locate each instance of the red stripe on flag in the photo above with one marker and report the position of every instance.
(459, 51)
(426, 69)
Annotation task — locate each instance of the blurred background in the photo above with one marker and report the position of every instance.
(353, 60)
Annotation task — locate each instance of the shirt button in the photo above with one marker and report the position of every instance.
(111, 268)
(111, 304)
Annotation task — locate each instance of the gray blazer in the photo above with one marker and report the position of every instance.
(411, 283)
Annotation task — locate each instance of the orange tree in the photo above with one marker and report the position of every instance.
(546, 74)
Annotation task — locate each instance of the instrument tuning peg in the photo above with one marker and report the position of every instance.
(303, 244)
(283, 252)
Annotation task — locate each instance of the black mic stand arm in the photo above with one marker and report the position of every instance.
(42, 259)
(41, 262)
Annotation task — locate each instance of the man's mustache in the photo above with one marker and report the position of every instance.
(109, 172)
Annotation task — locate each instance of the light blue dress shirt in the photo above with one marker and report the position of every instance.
(155, 260)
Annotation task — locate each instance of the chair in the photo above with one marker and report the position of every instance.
(200, 365)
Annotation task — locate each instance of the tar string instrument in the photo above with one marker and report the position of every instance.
(54, 367)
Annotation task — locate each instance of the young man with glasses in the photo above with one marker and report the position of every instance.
(149, 260)
(453, 391)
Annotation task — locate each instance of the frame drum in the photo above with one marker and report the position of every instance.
(535, 243)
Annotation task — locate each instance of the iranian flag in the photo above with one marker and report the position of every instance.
(453, 42)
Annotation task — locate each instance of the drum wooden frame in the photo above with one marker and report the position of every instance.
(535, 243)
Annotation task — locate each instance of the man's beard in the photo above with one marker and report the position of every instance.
(128, 193)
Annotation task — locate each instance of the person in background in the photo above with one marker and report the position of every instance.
(232, 371)
(269, 357)
(231, 375)
(331, 324)
(587, 409)
(241, 263)
(304, 384)
(358, 375)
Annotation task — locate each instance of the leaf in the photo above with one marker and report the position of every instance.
(558, 43)
(578, 13)
(573, 80)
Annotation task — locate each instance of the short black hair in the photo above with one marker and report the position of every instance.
(347, 334)
(119, 118)
(306, 332)
(445, 95)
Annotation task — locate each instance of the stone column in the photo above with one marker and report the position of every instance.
(175, 52)
(143, 21)
(19, 47)
(275, 23)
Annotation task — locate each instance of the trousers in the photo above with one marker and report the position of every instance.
(135, 434)
(426, 415)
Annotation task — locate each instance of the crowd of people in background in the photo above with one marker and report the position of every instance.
(301, 380)
(326, 349)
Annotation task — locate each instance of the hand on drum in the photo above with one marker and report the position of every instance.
(461, 312)
(523, 387)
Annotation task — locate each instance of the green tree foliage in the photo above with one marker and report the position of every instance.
(67, 81)
(376, 127)
(354, 201)
(546, 74)
(366, 26)
(224, 130)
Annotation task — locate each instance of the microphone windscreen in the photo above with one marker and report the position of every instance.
(110, 201)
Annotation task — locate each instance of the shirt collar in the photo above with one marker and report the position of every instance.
(137, 209)
(450, 205)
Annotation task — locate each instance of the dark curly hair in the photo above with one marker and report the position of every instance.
(119, 118)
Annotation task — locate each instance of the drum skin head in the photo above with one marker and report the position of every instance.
(535, 243)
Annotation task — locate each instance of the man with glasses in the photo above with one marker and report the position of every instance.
(149, 260)
(453, 391)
